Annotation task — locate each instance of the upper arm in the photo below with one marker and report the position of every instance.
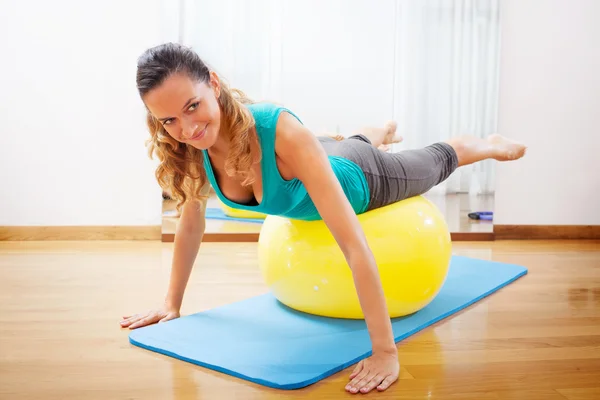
(302, 153)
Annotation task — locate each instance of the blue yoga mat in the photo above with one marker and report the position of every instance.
(263, 341)
(217, 213)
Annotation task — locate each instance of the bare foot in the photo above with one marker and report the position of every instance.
(391, 136)
(506, 149)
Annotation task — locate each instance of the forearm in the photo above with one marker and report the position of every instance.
(186, 246)
(372, 300)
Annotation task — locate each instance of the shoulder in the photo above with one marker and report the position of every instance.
(279, 123)
(265, 114)
(301, 154)
(290, 131)
(297, 147)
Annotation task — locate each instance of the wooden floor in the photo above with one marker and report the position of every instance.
(60, 304)
(454, 207)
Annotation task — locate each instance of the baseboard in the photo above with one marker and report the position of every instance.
(28, 233)
(218, 237)
(472, 236)
(535, 232)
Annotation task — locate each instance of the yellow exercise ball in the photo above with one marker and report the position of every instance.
(305, 269)
(237, 213)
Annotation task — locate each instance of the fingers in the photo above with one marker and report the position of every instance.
(144, 321)
(355, 384)
(362, 384)
(369, 374)
(371, 383)
(128, 320)
(147, 318)
(357, 369)
(138, 320)
(387, 382)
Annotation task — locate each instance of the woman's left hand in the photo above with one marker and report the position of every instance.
(378, 371)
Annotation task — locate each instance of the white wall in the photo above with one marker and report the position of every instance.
(72, 126)
(333, 67)
(338, 63)
(550, 99)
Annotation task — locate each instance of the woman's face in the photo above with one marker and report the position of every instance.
(188, 110)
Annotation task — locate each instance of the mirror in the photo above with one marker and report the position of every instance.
(219, 226)
(456, 208)
(361, 65)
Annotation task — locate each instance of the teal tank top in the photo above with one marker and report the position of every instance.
(289, 198)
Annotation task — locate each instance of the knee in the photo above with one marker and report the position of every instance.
(455, 144)
(450, 153)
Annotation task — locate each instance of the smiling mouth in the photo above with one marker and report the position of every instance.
(199, 134)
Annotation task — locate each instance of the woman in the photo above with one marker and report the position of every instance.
(259, 156)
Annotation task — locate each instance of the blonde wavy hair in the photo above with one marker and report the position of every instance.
(181, 169)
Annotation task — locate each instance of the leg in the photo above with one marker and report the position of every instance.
(380, 138)
(336, 137)
(392, 177)
(470, 149)
(414, 172)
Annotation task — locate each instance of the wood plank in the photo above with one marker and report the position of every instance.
(581, 393)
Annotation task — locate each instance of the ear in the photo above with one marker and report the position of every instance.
(215, 84)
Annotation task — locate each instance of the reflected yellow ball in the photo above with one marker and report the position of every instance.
(237, 213)
(305, 269)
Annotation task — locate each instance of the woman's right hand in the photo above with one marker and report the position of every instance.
(138, 320)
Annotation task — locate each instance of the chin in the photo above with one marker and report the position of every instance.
(209, 139)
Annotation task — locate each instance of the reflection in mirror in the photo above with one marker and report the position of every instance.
(220, 226)
(467, 217)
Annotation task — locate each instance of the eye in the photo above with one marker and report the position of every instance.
(193, 106)
(168, 121)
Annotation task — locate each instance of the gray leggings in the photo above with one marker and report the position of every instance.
(392, 177)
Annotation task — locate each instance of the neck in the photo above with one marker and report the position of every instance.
(223, 142)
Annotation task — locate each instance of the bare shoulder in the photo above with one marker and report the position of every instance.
(297, 148)
(291, 135)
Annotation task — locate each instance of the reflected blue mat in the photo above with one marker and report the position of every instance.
(263, 341)
(217, 213)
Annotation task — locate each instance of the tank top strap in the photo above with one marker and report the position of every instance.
(266, 116)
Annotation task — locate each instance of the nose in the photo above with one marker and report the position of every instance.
(188, 129)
